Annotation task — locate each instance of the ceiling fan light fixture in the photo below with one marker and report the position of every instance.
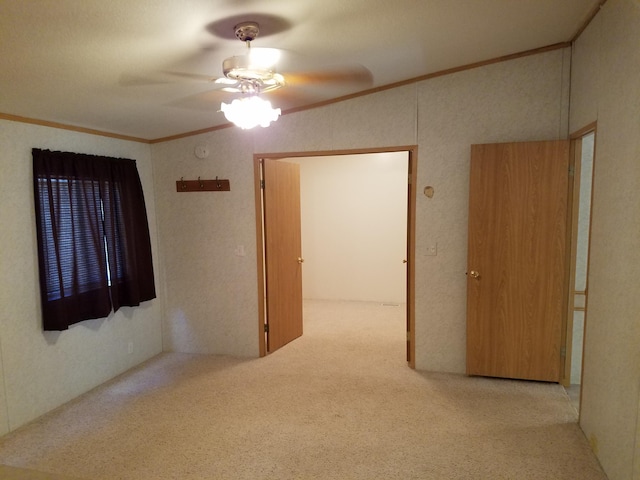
(251, 111)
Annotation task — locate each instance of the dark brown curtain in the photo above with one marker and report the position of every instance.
(94, 250)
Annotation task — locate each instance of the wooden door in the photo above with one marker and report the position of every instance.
(516, 275)
(283, 252)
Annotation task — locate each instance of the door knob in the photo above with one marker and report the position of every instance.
(474, 274)
(300, 260)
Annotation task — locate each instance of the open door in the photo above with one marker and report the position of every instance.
(283, 252)
(279, 242)
(516, 286)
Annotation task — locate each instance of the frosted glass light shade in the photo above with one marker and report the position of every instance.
(248, 112)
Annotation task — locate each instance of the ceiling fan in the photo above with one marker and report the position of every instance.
(250, 74)
(256, 72)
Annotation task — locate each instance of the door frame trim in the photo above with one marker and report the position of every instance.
(412, 151)
(572, 222)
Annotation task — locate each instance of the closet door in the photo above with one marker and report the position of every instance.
(516, 287)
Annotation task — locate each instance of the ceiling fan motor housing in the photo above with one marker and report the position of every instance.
(241, 67)
(247, 31)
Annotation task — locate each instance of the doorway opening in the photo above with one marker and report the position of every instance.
(339, 250)
(583, 149)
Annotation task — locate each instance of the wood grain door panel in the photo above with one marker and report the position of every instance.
(283, 248)
(517, 245)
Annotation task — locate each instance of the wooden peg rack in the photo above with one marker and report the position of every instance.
(217, 185)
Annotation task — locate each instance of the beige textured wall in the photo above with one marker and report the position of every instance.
(42, 370)
(606, 88)
(211, 293)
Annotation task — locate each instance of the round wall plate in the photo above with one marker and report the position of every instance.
(202, 151)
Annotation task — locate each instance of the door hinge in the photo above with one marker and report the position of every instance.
(266, 328)
(262, 184)
(563, 351)
(409, 179)
(572, 170)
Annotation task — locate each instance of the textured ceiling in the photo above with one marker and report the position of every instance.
(131, 67)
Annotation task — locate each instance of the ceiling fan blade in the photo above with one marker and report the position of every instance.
(129, 80)
(351, 76)
(198, 77)
(202, 59)
(206, 55)
(208, 101)
(288, 98)
(164, 78)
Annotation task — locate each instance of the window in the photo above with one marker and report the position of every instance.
(94, 251)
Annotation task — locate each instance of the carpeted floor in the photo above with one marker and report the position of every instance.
(338, 403)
